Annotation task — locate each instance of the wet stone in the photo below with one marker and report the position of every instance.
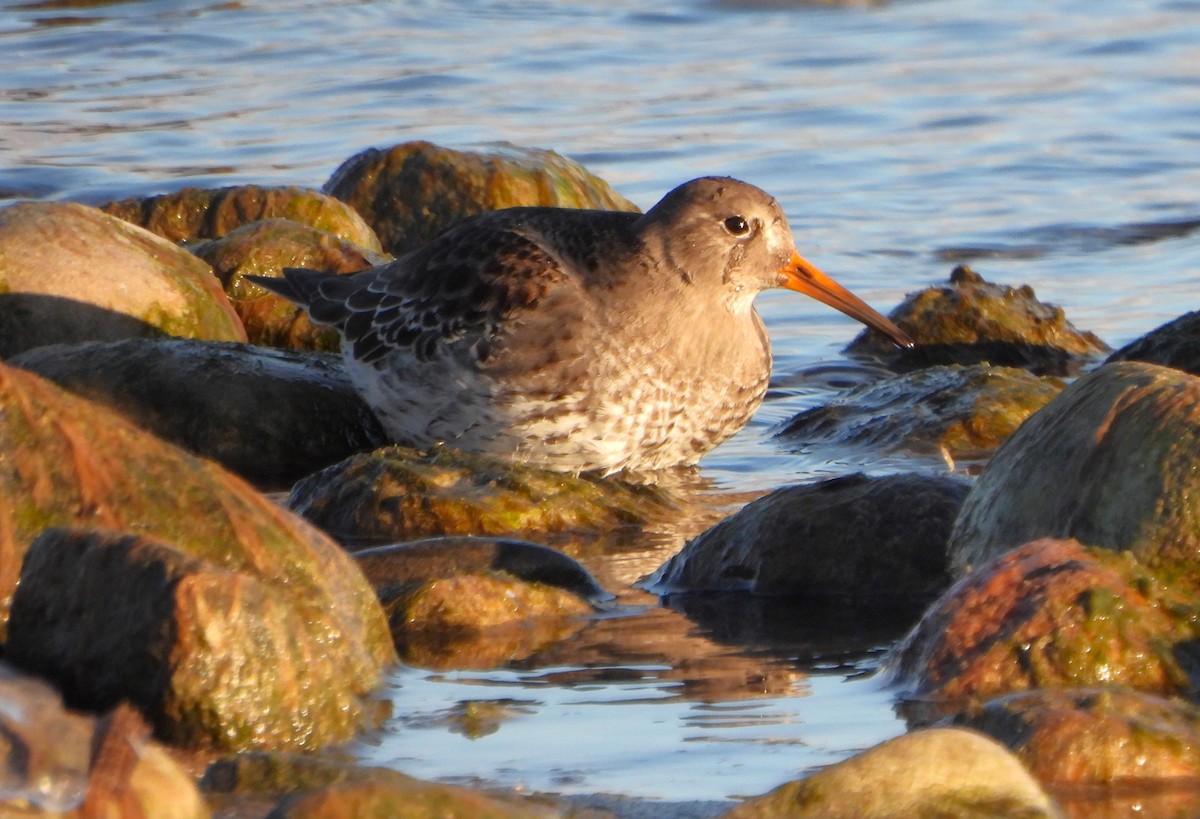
(1096, 736)
(72, 273)
(413, 191)
(1110, 462)
(1174, 344)
(971, 320)
(213, 657)
(955, 412)
(265, 248)
(857, 541)
(1048, 614)
(272, 416)
(396, 493)
(940, 772)
(210, 213)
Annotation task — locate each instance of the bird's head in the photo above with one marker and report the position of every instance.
(732, 238)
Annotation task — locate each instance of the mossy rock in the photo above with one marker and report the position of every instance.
(71, 273)
(1110, 462)
(396, 493)
(971, 320)
(265, 248)
(73, 463)
(210, 213)
(959, 412)
(413, 191)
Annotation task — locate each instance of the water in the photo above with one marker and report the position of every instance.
(1053, 144)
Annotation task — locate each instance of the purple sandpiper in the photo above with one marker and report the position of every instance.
(577, 340)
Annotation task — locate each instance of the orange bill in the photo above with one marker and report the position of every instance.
(805, 278)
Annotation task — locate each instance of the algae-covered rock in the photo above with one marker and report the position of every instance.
(855, 540)
(412, 192)
(971, 320)
(1174, 344)
(457, 602)
(194, 213)
(1096, 736)
(70, 273)
(1048, 614)
(391, 568)
(318, 788)
(1110, 462)
(71, 463)
(272, 416)
(396, 493)
(214, 657)
(54, 762)
(962, 412)
(265, 248)
(939, 772)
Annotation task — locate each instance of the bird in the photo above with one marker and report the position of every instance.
(575, 340)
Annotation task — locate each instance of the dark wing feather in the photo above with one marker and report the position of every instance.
(464, 284)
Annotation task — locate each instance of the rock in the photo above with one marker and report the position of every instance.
(973, 320)
(192, 213)
(272, 416)
(1174, 344)
(939, 772)
(396, 493)
(477, 602)
(960, 412)
(855, 540)
(1110, 462)
(306, 786)
(480, 620)
(72, 273)
(72, 463)
(213, 656)
(391, 568)
(412, 192)
(1049, 614)
(1096, 736)
(264, 249)
(56, 762)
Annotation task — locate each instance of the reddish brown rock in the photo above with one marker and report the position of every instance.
(1049, 614)
(1096, 736)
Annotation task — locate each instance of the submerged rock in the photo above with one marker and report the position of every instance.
(478, 602)
(212, 655)
(1096, 736)
(396, 493)
(308, 786)
(938, 772)
(857, 541)
(54, 761)
(413, 191)
(1174, 344)
(73, 463)
(1049, 614)
(272, 416)
(263, 249)
(1110, 462)
(972, 320)
(960, 412)
(71, 273)
(194, 213)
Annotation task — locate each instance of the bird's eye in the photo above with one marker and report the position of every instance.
(737, 226)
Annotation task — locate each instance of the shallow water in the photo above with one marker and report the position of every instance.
(1049, 144)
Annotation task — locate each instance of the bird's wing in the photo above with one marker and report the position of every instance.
(465, 285)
